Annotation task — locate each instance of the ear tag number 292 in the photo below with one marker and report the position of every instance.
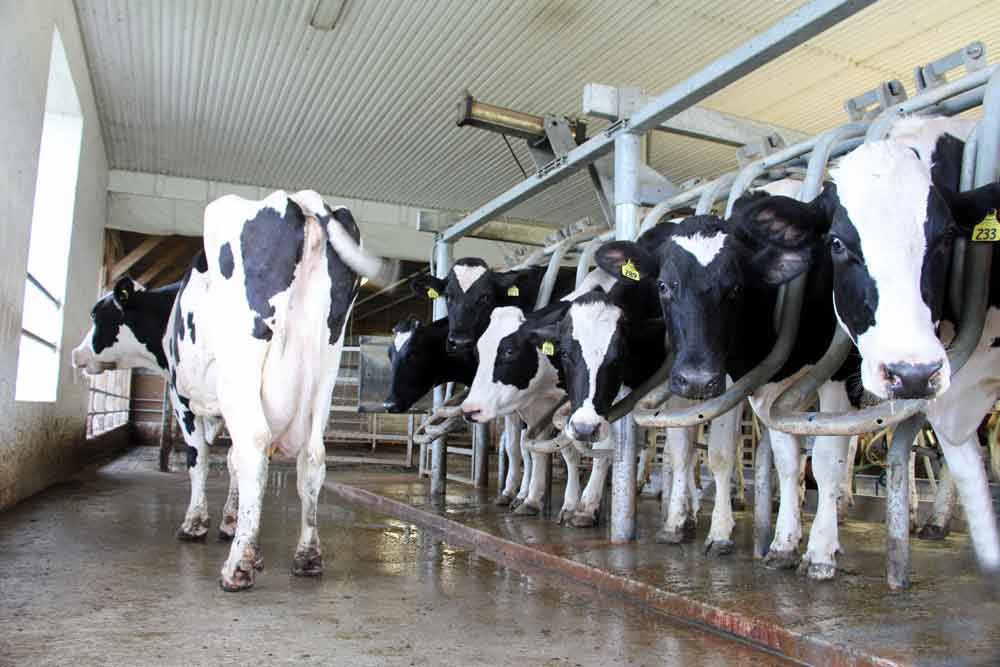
(988, 229)
(629, 271)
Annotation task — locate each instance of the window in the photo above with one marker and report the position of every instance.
(51, 225)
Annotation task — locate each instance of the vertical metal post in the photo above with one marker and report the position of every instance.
(481, 456)
(439, 448)
(627, 159)
(762, 496)
(897, 506)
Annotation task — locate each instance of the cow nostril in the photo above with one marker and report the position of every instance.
(712, 386)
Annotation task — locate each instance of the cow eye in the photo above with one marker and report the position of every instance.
(735, 291)
(484, 298)
(837, 246)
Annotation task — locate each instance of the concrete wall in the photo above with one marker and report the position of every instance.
(41, 443)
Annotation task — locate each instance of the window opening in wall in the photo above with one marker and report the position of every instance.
(51, 226)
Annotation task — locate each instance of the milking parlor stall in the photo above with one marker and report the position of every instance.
(385, 332)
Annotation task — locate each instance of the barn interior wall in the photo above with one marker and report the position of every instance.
(44, 442)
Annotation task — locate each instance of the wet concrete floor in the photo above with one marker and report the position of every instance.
(90, 573)
(949, 616)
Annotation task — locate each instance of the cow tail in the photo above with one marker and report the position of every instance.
(381, 272)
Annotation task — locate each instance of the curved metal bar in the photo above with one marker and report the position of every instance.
(587, 255)
(929, 98)
(627, 404)
(550, 446)
(545, 421)
(959, 250)
(587, 449)
(432, 433)
(713, 191)
(443, 411)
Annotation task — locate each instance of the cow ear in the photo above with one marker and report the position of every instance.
(545, 338)
(428, 286)
(124, 291)
(626, 261)
(779, 234)
(974, 207)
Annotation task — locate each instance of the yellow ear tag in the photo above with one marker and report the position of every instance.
(513, 291)
(432, 293)
(548, 348)
(988, 229)
(629, 271)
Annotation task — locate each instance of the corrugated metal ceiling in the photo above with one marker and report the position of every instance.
(246, 92)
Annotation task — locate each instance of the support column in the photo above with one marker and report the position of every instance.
(762, 496)
(481, 456)
(627, 159)
(897, 506)
(439, 448)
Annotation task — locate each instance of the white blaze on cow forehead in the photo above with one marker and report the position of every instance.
(922, 134)
(704, 248)
(401, 338)
(594, 324)
(467, 275)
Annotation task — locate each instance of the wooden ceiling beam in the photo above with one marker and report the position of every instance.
(122, 266)
(164, 262)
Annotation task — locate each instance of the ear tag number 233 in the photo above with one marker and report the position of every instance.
(988, 229)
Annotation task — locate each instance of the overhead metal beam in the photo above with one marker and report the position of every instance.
(785, 35)
(612, 103)
(796, 28)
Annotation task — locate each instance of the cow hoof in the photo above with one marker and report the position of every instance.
(719, 547)
(781, 560)
(933, 532)
(565, 515)
(690, 526)
(818, 571)
(226, 537)
(668, 536)
(307, 563)
(738, 504)
(583, 520)
(503, 500)
(527, 509)
(516, 502)
(242, 580)
(193, 530)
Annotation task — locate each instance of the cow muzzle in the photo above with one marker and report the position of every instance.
(696, 384)
(460, 344)
(905, 380)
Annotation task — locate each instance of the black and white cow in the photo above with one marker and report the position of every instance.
(473, 290)
(878, 240)
(269, 317)
(420, 361)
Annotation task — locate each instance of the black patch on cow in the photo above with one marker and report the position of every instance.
(226, 264)
(200, 264)
(854, 289)
(192, 456)
(144, 312)
(187, 415)
(995, 343)
(343, 281)
(190, 323)
(271, 247)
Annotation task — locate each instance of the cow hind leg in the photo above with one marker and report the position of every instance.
(783, 552)
(679, 522)
(194, 528)
(227, 528)
(571, 497)
(311, 472)
(939, 523)
(586, 512)
(540, 471)
(512, 444)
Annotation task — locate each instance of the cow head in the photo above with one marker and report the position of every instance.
(412, 357)
(473, 290)
(509, 373)
(125, 333)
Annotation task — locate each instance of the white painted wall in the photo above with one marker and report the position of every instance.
(43, 442)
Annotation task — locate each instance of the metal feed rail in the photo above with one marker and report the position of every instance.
(623, 137)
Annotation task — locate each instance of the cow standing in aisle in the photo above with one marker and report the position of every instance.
(281, 279)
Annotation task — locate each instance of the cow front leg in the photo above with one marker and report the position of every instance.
(250, 461)
(571, 497)
(527, 465)
(311, 471)
(586, 512)
(723, 441)
(784, 550)
(512, 445)
(679, 523)
(539, 471)
(969, 473)
(194, 528)
(845, 501)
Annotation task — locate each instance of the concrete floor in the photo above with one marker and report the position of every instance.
(90, 573)
(949, 616)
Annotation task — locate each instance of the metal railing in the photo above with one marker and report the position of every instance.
(109, 401)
